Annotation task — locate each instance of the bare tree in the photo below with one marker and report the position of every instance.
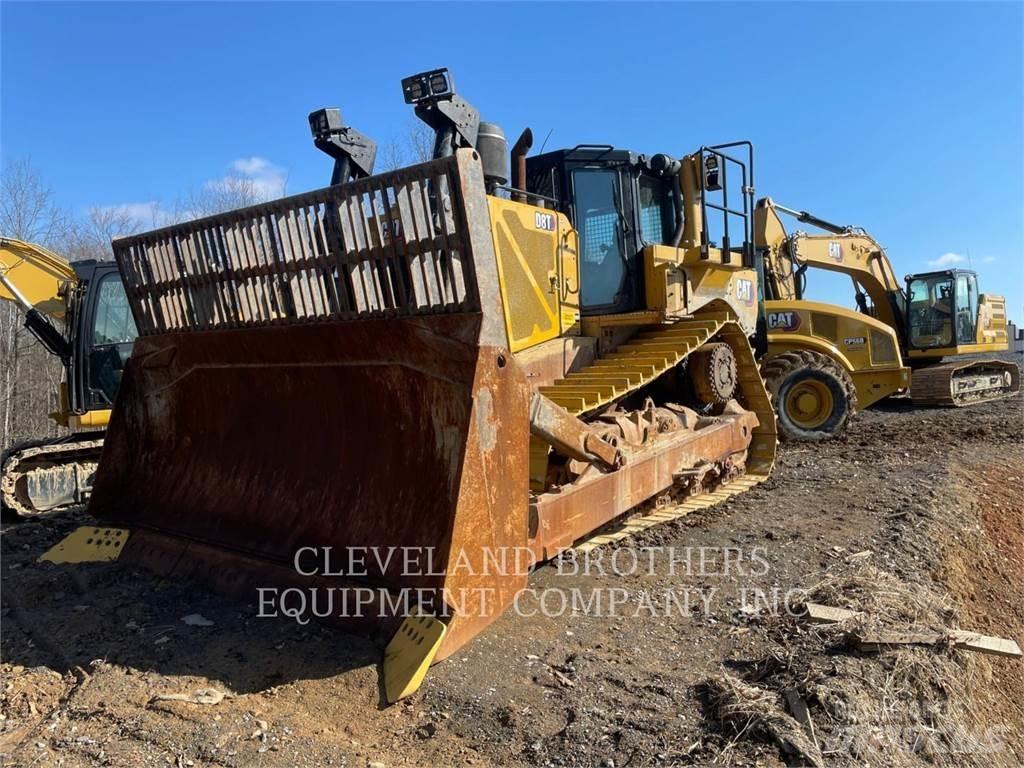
(91, 237)
(230, 193)
(226, 194)
(28, 211)
(415, 145)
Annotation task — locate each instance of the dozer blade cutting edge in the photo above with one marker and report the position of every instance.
(315, 376)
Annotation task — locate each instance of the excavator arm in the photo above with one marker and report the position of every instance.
(847, 250)
(37, 280)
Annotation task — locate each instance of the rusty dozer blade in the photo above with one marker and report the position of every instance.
(314, 374)
(322, 396)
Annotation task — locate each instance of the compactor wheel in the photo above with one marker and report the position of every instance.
(714, 374)
(813, 395)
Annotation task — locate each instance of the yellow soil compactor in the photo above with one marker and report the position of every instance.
(429, 359)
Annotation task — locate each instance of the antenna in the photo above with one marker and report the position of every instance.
(545, 141)
(969, 263)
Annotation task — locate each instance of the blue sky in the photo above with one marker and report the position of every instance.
(903, 118)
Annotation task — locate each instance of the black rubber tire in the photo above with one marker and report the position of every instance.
(784, 371)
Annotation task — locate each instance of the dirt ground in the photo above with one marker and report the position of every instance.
(914, 516)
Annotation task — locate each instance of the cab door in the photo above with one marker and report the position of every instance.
(104, 335)
(966, 308)
(607, 273)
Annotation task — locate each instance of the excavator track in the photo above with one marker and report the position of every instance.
(43, 478)
(964, 382)
(639, 362)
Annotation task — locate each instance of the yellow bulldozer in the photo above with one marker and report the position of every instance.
(823, 361)
(434, 359)
(80, 314)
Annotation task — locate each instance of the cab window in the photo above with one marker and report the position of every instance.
(966, 309)
(114, 323)
(599, 223)
(931, 311)
(657, 211)
(113, 332)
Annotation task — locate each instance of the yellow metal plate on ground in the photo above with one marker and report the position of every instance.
(88, 545)
(408, 655)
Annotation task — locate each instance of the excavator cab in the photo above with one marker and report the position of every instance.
(80, 313)
(945, 311)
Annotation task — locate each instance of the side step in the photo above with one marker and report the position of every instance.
(636, 363)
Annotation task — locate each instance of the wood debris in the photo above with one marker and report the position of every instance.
(970, 641)
(877, 640)
(827, 614)
(200, 696)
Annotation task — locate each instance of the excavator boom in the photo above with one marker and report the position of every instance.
(34, 277)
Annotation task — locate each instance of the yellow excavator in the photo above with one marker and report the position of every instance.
(432, 360)
(80, 314)
(823, 361)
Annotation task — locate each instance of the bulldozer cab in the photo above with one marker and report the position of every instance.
(942, 309)
(621, 203)
(616, 207)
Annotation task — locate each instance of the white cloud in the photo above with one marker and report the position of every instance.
(249, 180)
(264, 178)
(252, 166)
(947, 259)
